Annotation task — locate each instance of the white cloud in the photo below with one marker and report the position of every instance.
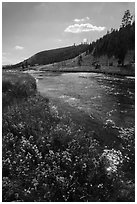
(86, 27)
(85, 40)
(82, 19)
(17, 47)
(5, 53)
(59, 40)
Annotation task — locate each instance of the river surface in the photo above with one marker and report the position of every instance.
(108, 99)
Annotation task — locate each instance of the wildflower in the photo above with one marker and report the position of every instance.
(60, 179)
(100, 185)
(21, 125)
(35, 183)
(111, 159)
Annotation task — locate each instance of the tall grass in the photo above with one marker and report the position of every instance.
(16, 86)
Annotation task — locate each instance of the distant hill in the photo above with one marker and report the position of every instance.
(54, 55)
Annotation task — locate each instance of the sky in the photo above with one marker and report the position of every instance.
(31, 27)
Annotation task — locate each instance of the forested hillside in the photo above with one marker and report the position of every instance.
(116, 42)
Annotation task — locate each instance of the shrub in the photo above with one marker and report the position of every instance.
(16, 86)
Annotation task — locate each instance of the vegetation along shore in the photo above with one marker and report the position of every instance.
(47, 157)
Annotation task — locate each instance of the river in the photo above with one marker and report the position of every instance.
(110, 100)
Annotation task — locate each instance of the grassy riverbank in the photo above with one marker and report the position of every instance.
(51, 158)
(111, 70)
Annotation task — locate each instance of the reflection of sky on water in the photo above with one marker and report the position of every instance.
(107, 98)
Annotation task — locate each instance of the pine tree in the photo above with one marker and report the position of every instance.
(127, 19)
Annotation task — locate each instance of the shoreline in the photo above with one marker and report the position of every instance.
(89, 71)
(114, 71)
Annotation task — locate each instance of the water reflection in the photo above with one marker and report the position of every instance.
(107, 98)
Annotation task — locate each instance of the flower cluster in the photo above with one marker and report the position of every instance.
(111, 160)
(47, 159)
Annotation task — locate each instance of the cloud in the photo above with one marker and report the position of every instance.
(85, 40)
(17, 47)
(82, 19)
(59, 40)
(5, 53)
(86, 27)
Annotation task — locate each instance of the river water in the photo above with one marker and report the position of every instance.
(108, 99)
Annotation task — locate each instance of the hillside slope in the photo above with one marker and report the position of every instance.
(54, 55)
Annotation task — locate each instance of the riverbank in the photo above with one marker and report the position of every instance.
(111, 70)
(104, 70)
(49, 157)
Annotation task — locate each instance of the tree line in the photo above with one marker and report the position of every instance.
(116, 42)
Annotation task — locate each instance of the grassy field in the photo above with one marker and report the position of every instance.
(50, 158)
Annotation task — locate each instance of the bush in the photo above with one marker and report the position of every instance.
(16, 86)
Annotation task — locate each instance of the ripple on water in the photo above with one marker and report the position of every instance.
(116, 93)
(70, 100)
(110, 122)
(130, 77)
(109, 113)
(95, 97)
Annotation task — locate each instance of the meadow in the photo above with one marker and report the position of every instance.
(49, 158)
